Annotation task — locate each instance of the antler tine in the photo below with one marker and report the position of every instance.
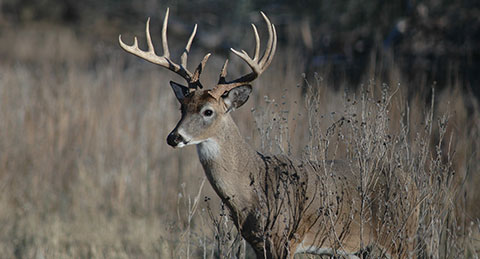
(187, 47)
(199, 69)
(164, 60)
(270, 41)
(223, 73)
(166, 51)
(257, 66)
(273, 49)
(257, 43)
(149, 39)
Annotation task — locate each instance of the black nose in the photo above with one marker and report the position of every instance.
(174, 139)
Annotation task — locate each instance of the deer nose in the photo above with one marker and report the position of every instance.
(174, 139)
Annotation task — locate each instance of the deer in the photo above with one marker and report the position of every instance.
(280, 205)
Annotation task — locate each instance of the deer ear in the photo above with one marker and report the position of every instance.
(180, 90)
(236, 97)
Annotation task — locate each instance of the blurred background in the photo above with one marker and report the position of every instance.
(84, 168)
(433, 40)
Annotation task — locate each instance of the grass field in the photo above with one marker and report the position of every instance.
(85, 171)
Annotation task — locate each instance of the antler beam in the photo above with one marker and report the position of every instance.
(257, 66)
(165, 60)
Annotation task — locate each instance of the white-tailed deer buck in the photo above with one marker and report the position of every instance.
(280, 205)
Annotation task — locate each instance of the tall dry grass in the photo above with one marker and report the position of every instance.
(85, 171)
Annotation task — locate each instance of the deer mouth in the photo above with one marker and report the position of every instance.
(181, 144)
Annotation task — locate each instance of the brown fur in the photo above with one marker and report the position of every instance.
(279, 203)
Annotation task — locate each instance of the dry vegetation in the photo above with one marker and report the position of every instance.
(85, 171)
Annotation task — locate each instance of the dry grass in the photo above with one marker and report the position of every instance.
(85, 171)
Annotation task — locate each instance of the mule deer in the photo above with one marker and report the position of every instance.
(279, 204)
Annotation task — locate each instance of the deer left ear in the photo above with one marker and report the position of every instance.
(179, 90)
(236, 97)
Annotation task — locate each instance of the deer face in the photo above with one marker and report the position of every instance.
(202, 114)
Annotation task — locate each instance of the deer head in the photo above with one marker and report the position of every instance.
(204, 110)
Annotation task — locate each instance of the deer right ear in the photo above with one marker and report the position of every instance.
(236, 97)
(180, 90)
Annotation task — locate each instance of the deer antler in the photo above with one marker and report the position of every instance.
(164, 60)
(257, 66)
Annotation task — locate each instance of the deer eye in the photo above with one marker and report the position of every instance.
(207, 113)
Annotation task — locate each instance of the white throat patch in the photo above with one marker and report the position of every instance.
(208, 150)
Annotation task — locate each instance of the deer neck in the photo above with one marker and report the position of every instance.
(228, 162)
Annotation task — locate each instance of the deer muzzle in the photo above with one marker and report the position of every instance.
(174, 139)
